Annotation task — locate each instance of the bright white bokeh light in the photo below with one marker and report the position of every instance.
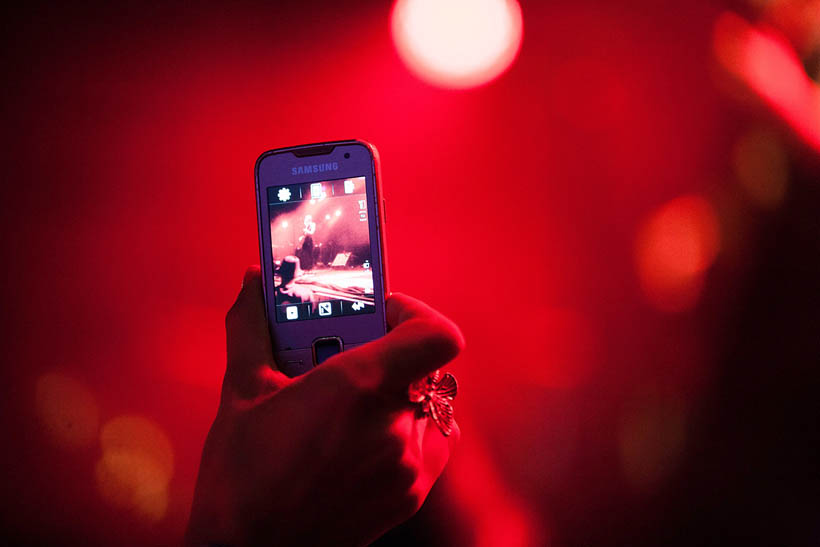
(457, 43)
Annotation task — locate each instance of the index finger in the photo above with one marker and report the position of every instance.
(251, 368)
(421, 340)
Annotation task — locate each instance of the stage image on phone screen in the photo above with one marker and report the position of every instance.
(321, 249)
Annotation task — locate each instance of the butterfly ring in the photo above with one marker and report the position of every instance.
(434, 395)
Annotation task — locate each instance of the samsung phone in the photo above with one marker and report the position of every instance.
(321, 244)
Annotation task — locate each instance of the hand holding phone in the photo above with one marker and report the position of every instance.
(334, 457)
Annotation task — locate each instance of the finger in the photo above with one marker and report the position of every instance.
(400, 307)
(421, 341)
(436, 452)
(251, 368)
(437, 449)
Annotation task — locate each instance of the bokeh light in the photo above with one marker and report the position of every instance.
(457, 43)
(761, 167)
(675, 247)
(767, 63)
(67, 410)
(136, 465)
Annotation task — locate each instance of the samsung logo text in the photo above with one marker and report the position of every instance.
(315, 168)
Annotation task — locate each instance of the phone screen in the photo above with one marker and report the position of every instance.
(320, 245)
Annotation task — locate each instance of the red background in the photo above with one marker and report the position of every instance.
(129, 217)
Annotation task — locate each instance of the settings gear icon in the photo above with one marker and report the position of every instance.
(284, 194)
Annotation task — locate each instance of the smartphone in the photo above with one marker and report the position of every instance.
(321, 244)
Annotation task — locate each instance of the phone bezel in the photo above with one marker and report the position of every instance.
(273, 168)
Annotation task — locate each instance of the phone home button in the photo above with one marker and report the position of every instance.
(325, 348)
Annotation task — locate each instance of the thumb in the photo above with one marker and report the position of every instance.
(421, 341)
(251, 370)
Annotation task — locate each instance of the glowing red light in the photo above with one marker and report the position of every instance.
(674, 249)
(768, 64)
(457, 43)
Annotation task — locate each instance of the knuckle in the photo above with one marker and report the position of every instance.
(393, 449)
(366, 376)
(399, 472)
(405, 476)
(356, 377)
